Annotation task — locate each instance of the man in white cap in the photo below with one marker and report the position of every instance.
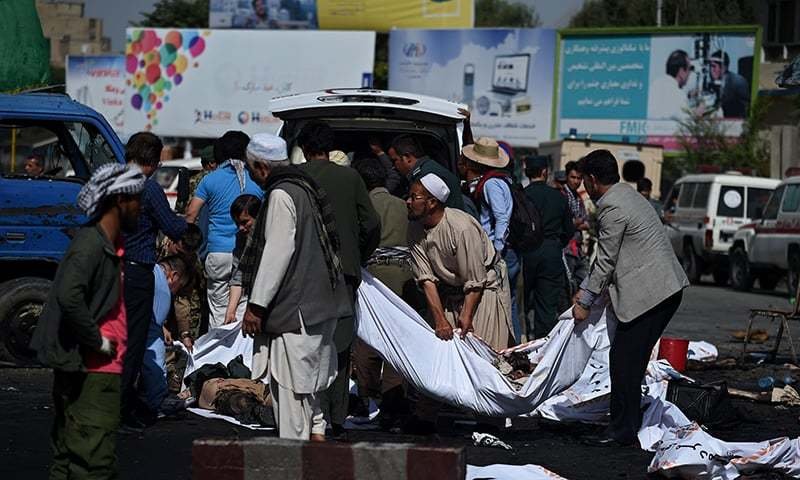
(291, 274)
(463, 277)
(454, 262)
(82, 332)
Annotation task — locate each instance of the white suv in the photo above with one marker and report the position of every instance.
(770, 247)
(708, 210)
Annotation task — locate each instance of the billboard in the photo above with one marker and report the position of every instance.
(641, 85)
(201, 83)
(504, 75)
(385, 15)
(261, 14)
(99, 82)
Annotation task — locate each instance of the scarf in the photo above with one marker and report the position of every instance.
(238, 167)
(324, 222)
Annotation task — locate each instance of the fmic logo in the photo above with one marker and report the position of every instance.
(414, 49)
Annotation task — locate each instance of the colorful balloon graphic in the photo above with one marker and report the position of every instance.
(157, 62)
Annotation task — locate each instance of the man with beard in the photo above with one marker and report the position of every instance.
(82, 332)
(462, 276)
(635, 262)
(291, 274)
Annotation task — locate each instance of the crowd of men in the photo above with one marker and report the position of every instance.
(283, 254)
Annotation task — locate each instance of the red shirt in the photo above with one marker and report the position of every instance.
(113, 326)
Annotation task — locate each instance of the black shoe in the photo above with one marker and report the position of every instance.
(131, 424)
(604, 440)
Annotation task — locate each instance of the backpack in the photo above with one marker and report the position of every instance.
(525, 231)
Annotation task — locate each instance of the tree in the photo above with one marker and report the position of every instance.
(642, 13)
(705, 142)
(176, 14)
(501, 13)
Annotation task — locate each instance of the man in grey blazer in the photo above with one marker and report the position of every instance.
(635, 262)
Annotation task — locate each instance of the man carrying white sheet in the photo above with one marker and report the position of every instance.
(290, 271)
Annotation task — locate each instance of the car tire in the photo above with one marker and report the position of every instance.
(741, 278)
(691, 264)
(768, 281)
(21, 303)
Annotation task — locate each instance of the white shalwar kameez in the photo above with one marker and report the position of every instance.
(298, 364)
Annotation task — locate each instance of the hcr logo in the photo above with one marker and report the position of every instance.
(414, 49)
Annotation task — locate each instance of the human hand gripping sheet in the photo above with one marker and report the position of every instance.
(460, 371)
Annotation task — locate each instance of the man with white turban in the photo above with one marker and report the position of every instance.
(291, 274)
(462, 276)
(82, 332)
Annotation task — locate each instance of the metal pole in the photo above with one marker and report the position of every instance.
(659, 4)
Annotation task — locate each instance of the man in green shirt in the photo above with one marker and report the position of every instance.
(359, 230)
(544, 269)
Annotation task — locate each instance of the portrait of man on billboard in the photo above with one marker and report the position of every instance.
(734, 91)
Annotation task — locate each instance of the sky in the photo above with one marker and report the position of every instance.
(118, 14)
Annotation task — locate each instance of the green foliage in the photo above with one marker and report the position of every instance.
(642, 13)
(24, 52)
(176, 14)
(501, 13)
(704, 142)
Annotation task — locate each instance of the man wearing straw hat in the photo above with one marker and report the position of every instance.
(490, 188)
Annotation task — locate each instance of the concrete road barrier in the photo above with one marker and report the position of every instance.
(274, 458)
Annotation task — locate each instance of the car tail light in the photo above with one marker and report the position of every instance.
(709, 238)
(706, 220)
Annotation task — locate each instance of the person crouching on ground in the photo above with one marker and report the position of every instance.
(82, 332)
(171, 275)
(291, 273)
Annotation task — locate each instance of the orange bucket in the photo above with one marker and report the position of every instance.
(674, 350)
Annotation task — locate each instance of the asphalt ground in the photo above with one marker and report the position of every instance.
(163, 451)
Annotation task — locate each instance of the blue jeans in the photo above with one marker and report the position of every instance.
(154, 371)
(513, 265)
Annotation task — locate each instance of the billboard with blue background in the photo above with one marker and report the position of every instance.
(640, 86)
(504, 75)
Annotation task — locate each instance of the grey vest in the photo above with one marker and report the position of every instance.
(305, 287)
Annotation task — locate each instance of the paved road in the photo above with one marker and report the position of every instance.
(164, 451)
(713, 313)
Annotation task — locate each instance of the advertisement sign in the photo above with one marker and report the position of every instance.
(202, 83)
(504, 75)
(641, 86)
(385, 15)
(262, 14)
(99, 82)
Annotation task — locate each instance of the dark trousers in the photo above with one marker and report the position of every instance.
(543, 275)
(334, 401)
(139, 291)
(86, 408)
(630, 352)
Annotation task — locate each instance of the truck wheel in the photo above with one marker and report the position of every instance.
(21, 303)
(768, 280)
(691, 264)
(741, 279)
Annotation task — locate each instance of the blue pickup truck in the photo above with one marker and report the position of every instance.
(38, 216)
